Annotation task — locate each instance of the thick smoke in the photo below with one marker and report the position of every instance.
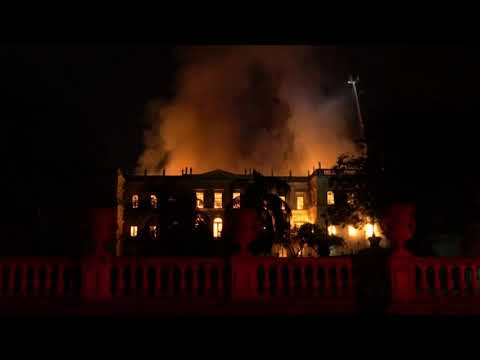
(240, 107)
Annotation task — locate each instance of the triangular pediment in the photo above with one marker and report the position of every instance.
(218, 173)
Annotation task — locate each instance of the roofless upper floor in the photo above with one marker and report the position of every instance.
(222, 174)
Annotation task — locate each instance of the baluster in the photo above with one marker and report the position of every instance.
(449, 279)
(1, 279)
(24, 280)
(11, 281)
(158, 280)
(221, 270)
(339, 289)
(474, 280)
(120, 281)
(133, 279)
(422, 280)
(436, 282)
(253, 280)
(328, 285)
(195, 275)
(303, 280)
(36, 281)
(145, 280)
(268, 285)
(423, 286)
(350, 279)
(183, 279)
(60, 281)
(279, 280)
(316, 281)
(291, 280)
(48, 280)
(462, 282)
(171, 285)
(208, 279)
(472, 288)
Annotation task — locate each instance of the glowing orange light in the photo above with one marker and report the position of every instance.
(217, 227)
(200, 200)
(352, 232)
(218, 200)
(332, 230)
(369, 230)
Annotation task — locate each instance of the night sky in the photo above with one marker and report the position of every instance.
(78, 109)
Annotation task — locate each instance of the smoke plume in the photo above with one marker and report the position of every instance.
(240, 107)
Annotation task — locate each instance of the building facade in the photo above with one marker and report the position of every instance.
(147, 202)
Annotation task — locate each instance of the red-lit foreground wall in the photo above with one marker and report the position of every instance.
(242, 284)
(178, 285)
(435, 285)
(427, 285)
(258, 285)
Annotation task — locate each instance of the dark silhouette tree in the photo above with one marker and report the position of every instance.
(272, 213)
(358, 185)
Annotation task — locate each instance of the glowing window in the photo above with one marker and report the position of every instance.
(218, 200)
(300, 202)
(283, 253)
(352, 232)
(153, 231)
(133, 231)
(330, 198)
(217, 227)
(332, 230)
(200, 199)
(153, 201)
(135, 201)
(368, 230)
(236, 198)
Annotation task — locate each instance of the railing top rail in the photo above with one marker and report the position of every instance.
(304, 261)
(36, 261)
(181, 261)
(444, 261)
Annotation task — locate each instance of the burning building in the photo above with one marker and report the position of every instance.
(152, 207)
(236, 106)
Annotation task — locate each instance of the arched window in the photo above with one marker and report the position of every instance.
(330, 198)
(135, 201)
(153, 201)
(217, 227)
